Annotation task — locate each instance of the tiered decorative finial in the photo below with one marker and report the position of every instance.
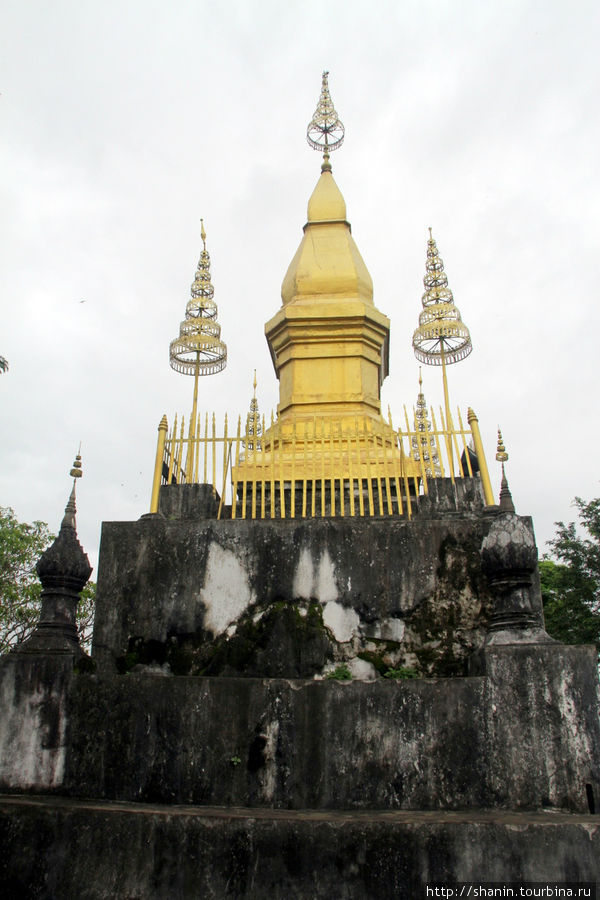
(253, 424)
(199, 349)
(442, 337)
(325, 131)
(423, 442)
(501, 454)
(70, 509)
(506, 500)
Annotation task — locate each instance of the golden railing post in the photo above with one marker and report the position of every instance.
(158, 464)
(263, 482)
(293, 472)
(398, 471)
(483, 469)
(234, 481)
(226, 460)
(350, 474)
(438, 436)
(313, 492)
(172, 453)
(359, 480)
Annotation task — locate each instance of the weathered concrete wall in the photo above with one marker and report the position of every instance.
(135, 852)
(412, 590)
(543, 725)
(526, 735)
(34, 712)
(452, 592)
(523, 735)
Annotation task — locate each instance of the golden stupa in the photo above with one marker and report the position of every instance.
(328, 450)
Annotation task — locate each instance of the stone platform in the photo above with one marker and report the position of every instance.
(336, 708)
(55, 848)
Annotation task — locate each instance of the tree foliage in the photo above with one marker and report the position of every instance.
(571, 581)
(21, 545)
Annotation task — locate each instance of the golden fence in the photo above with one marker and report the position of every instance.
(340, 466)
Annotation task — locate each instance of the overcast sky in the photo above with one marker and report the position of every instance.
(124, 123)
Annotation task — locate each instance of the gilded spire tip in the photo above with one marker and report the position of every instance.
(253, 424)
(501, 454)
(76, 471)
(203, 233)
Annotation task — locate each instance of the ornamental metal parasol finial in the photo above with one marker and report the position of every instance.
(442, 338)
(199, 349)
(325, 131)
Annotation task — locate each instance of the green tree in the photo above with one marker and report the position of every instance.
(21, 545)
(571, 579)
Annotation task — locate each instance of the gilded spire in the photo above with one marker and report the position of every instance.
(506, 500)
(199, 349)
(70, 509)
(253, 425)
(76, 471)
(325, 131)
(442, 337)
(501, 454)
(423, 441)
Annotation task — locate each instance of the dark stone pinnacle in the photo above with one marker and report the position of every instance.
(64, 570)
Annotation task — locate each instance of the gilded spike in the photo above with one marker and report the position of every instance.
(325, 131)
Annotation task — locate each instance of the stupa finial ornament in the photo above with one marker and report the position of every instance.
(199, 349)
(442, 337)
(506, 500)
(70, 509)
(252, 439)
(501, 454)
(423, 441)
(325, 131)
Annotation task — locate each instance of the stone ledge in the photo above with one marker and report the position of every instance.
(396, 816)
(60, 849)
